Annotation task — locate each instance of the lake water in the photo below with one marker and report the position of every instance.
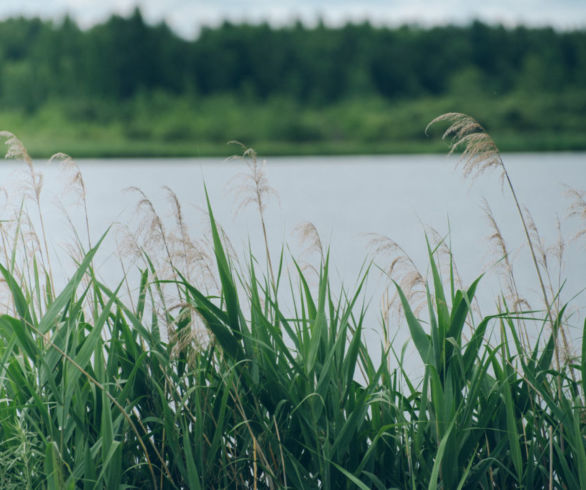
(346, 198)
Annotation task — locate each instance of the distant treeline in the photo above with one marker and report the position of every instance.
(42, 60)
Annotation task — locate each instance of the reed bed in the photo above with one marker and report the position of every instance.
(215, 372)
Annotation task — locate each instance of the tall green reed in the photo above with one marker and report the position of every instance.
(104, 390)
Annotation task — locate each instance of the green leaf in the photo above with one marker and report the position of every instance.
(312, 310)
(53, 469)
(228, 287)
(460, 310)
(191, 466)
(106, 459)
(546, 358)
(474, 344)
(68, 292)
(318, 325)
(142, 294)
(11, 326)
(441, 304)
(438, 458)
(512, 431)
(351, 477)
(225, 335)
(349, 363)
(352, 424)
(583, 363)
(20, 302)
(420, 338)
(89, 345)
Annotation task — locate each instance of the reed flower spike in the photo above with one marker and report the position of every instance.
(479, 151)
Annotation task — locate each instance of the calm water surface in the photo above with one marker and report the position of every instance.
(346, 198)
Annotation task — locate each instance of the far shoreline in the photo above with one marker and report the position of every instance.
(154, 149)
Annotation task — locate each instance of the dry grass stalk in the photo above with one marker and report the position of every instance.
(540, 248)
(559, 248)
(444, 255)
(253, 188)
(308, 236)
(75, 185)
(544, 253)
(165, 250)
(183, 238)
(479, 153)
(578, 208)
(401, 267)
(149, 244)
(23, 254)
(16, 150)
(547, 255)
(155, 230)
(74, 194)
(192, 338)
(402, 270)
(496, 238)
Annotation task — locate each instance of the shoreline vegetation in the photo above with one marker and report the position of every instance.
(127, 88)
(215, 370)
(167, 126)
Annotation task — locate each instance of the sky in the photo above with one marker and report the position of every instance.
(187, 16)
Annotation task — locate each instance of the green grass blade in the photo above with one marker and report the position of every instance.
(420, 338)
(473, 346)
(351, 477)
(68, 292)
(142, 294)
(544, 362)
(511, 423)
(433, 480)
(20, 302)
(89, 345)
(577, 437)
(11, 326)
(226, 336)
(443, 315)
(228, 286)
(583, 361)
(311, 308)
(53, 470)
(460, 310)
(191, 466)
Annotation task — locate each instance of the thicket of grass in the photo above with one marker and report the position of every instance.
(158, 124)
(103, 389)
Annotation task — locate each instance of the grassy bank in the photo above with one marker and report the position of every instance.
(157, 124)
(214, 371)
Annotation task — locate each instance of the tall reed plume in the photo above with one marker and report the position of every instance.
(253, 188)
(275, 400)
(480, 153)
(16, 150)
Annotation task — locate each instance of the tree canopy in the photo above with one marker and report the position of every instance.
(123, 57)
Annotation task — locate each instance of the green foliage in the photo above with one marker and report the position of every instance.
(156, 123)
(126, 87)
(100, 389)
(275, 400)
(124, 56)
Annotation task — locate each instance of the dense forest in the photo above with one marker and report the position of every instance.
(353, 83)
